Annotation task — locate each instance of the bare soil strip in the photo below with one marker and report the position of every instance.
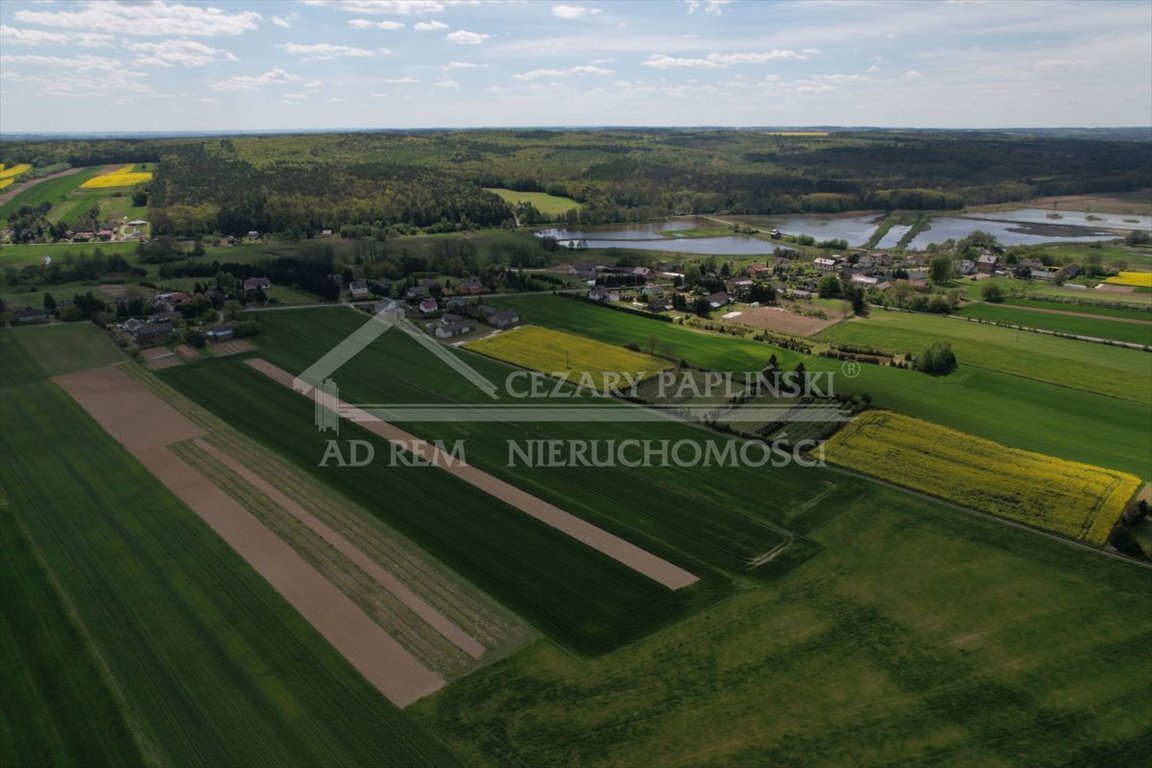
(655, 568)
(387, 580)
(144, 424)
(225, 348)
(783, 321)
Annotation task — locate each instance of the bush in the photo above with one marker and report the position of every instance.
(938, 359)
(992, 293)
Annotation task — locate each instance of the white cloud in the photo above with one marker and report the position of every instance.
(464, 37)
(586, 69)
(280, 21)
(574, 11)
(254, 82)
(366, 24)
(708, 6)
(401, 80)
(873, 69)
(152, 19)
(446, 84)
(18, 36)
(397, 7)
(461, 65)
(912, 74)
(328, 51)
(32, 36)
(170, 53)
(73, 75)
(720, 60)
(429, 26)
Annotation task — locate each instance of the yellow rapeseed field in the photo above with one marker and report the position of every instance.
(542, 349)
(1075, 500)
(6, 183)
(14, 171)
(121, 177)
(1138, 279)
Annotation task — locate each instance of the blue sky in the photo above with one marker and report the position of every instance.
(312, 64)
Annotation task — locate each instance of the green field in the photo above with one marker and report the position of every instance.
(1023, 413)
(1101, 327)
(114, 205)
(701, 517)
(1114, 371)
(68, 712)
(919, 637)
(52, 191)
(1084, 309)
(69, 347)
(207, 664)
(549, 205)
(579, 597)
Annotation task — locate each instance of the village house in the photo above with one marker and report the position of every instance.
(30, 315)
(719, 299)
(653, 292)
(504, 319)
(603, 293)
(457, 328)
(414, 292)
(987, 263)
(965, 267)
(152, 334)
(470, 285)
(358, 289)
(428, 306)
(740, 286)
(257, 284)
(825, 264)
(760, 270)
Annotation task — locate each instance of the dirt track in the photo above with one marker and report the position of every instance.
(144, 424)
(655, 568)
(782, 321)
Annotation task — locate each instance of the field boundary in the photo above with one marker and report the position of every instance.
(659, 570)
(145, 425)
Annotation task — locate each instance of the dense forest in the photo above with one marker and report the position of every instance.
(378, 183)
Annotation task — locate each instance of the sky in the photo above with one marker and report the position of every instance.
(70, 66)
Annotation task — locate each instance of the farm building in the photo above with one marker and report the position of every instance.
(453, 325)
(603, 293)
(358, 289)
(257, 284)
(30, 315)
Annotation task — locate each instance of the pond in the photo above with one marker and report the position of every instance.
(1008, 232)
(857, 230)
(1124, 222)
(649, 230)
(894, 235)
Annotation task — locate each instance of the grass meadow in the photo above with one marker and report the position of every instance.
(1113, 371)
(918, 637)
(549, 205)
(1100, 327)
(196, 657)
(1019, 412)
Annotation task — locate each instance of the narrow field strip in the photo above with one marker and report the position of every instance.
(428, 646)
(655, 568)
(484, 620)
(145, 424)
(386, 579)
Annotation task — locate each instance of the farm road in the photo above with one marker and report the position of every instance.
(655, 568)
